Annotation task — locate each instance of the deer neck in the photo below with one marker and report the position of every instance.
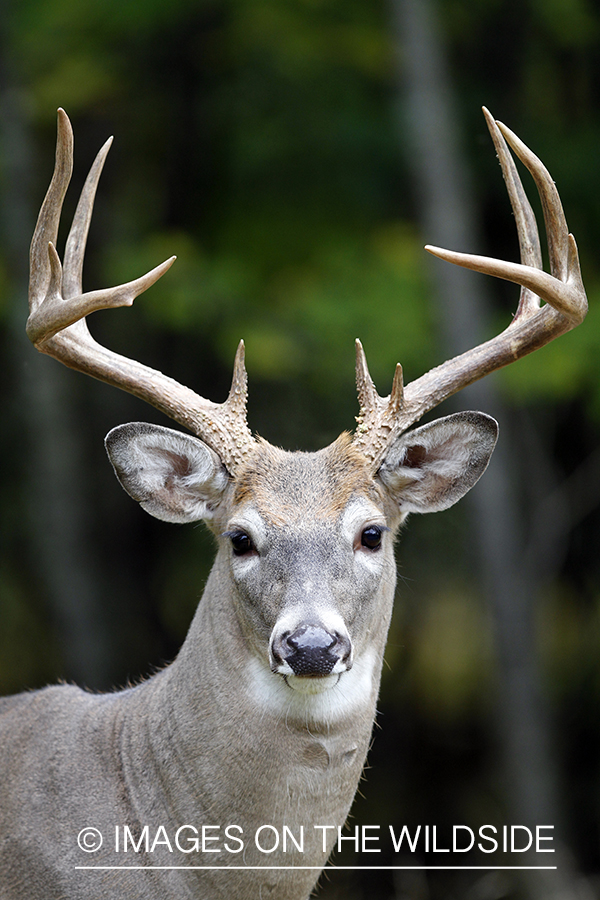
(230, 742)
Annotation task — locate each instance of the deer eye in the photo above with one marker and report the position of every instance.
(371, 537)
(240, 542)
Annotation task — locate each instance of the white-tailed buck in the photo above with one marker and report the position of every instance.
(216, 777)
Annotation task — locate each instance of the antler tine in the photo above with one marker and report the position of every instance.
(77, 239)
(557, 230)
(46, 229)
(57, 326)
(377, 415)
(368, 398)
(49, 285)
(527, 230)
(563, 289)
(533, 325)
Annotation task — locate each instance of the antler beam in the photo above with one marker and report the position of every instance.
(381, 419)
(58, 307)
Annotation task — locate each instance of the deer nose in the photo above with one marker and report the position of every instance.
(311, 650)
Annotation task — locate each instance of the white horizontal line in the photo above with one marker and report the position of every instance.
(331, 868)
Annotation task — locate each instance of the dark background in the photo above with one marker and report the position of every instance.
(296, 155)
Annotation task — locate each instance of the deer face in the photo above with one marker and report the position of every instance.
(309, 545)
(307, 538)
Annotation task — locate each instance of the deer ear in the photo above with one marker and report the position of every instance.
(430, 468)
(174, 477)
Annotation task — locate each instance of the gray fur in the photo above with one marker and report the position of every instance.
(220, 737)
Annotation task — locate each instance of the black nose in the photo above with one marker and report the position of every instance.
(311, 650)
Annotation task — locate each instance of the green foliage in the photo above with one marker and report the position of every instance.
(302, 315)
(566, 369)
(38, 658)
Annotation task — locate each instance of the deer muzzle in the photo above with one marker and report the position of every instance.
(311, 651)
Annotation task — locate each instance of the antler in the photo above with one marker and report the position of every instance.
(381, 419)
(57, 310)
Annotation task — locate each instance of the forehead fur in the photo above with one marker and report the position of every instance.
(286, 486)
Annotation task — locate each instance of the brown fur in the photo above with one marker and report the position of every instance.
(287, 487)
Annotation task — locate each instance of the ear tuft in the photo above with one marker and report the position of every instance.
(415, 457)
(174, 476)
(432, 467)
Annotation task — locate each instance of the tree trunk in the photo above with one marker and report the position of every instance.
(55, 504)
(448, 218)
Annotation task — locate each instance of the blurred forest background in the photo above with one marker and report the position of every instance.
(296, 155)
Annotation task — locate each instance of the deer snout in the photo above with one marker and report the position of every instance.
(311, 651)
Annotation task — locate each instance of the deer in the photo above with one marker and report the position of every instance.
(229, 772)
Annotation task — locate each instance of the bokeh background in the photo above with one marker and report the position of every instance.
(296, 155)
